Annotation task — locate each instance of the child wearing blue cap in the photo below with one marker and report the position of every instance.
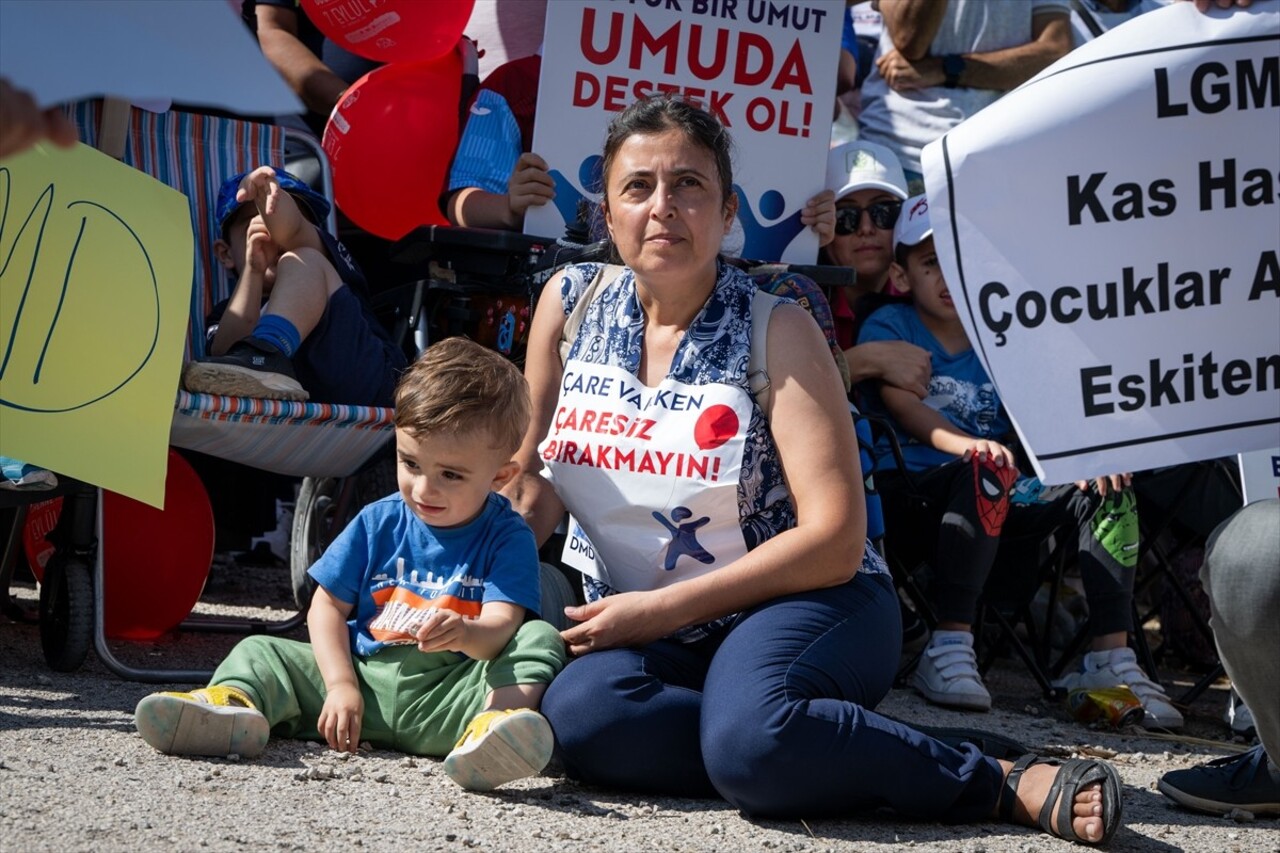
(297, 325)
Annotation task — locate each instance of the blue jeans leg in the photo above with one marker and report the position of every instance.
(628, 718)
(787, 726)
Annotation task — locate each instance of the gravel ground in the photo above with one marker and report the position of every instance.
(75, 776)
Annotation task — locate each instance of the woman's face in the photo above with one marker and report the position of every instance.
(868, 249)
(665, 205)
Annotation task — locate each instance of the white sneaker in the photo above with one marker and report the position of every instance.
(948, 673)
(1114, 667)
(1239, 717)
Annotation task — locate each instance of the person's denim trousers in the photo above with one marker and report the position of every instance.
(774, 716)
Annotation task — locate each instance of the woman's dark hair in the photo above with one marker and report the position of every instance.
(660, 113)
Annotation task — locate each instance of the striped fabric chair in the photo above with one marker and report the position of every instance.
(194, 154)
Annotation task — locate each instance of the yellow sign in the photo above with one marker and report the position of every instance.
(95, 284)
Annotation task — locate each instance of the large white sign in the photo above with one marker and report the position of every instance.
(1111, 233)
(766, 68)
(192, 51)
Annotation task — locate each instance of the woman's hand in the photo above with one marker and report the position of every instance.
(627, 619)
(340, 718)
(819, 213)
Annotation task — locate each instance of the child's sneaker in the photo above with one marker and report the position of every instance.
(948, 673)
(251, 368)
(499, 746)
(1239, 717)
(1115, 667)
(211, 721)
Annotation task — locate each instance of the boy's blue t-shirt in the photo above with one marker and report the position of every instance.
(394, 569)
(959, 389)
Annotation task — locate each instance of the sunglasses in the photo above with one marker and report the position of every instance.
(883, 214)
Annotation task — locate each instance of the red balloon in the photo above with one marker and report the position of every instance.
(390, 142)
(154, 562)
(391, 30)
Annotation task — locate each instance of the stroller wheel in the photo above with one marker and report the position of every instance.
(325, 506)
(313, 530)
(66, 613)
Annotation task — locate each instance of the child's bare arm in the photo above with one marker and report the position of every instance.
(343, 710)
(530, 185)
(482, 638)
(930, 427)
(245, 306)
(288, 227)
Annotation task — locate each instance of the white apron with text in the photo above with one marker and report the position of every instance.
(649, 475)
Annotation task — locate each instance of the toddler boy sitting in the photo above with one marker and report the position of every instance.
(297, 326)
(418, 638)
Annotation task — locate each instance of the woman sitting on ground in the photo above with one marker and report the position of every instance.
(737, 633)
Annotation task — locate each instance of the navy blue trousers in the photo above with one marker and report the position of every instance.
(775, 716)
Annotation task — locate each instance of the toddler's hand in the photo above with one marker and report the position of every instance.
(442, 631)
(339, 722)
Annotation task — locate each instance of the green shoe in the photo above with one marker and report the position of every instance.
(499, 746)
(211, 721)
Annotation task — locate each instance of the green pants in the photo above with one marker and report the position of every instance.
(414, 702)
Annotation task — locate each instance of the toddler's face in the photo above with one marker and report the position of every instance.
(446, 479)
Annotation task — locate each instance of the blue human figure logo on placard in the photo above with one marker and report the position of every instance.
(766, 242)
(684, 537)
(568, 196)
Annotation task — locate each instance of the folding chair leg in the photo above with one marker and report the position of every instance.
(167, 676)
(8, 562)
(1193, 692)
(1007, 635)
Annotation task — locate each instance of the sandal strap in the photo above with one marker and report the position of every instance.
(1065, 777)
(1075, 774)
(1009, 790)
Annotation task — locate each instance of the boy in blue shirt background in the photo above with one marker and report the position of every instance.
(418, 635)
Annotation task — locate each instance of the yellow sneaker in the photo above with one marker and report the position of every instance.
(215, 720)
(499, 746)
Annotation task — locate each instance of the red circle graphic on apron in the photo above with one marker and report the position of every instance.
(715, 426)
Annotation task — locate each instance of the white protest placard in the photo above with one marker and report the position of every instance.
(1111, 234)
(1260, 474)
(192, 51)
(765, 68)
